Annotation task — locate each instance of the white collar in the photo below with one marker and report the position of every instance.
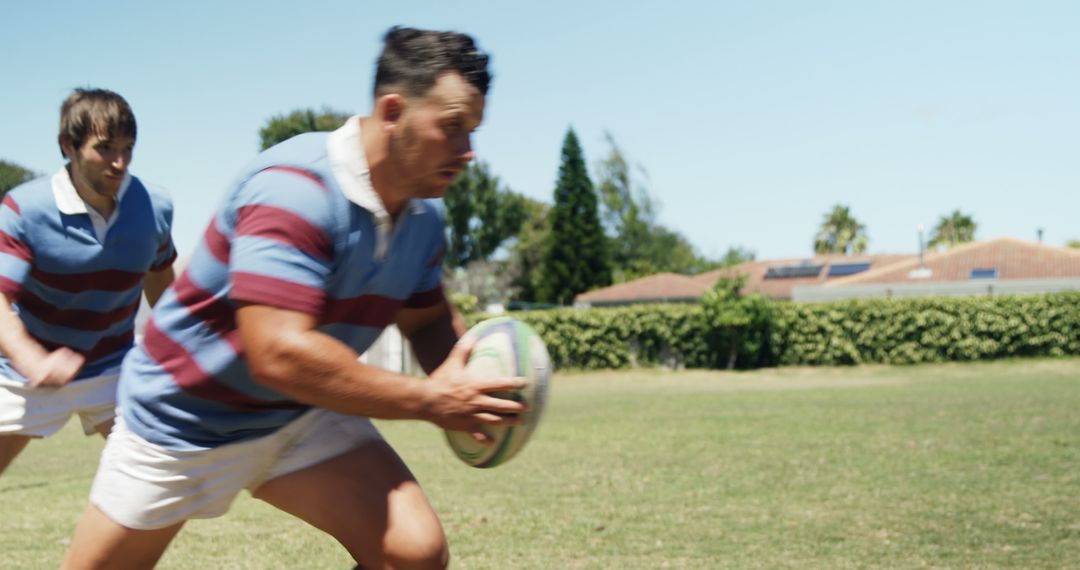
(67, 198)
(345, 151)
(350, 168)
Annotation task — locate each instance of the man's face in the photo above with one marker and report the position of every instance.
(101, 164)
(432, 145)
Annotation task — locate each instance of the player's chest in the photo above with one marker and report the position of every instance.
(129, 245)
(391, 268)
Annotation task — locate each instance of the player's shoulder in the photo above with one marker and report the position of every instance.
(290, 182)
(159, 195)
(30, 194)
(300, 185)
(303, 149)
(301, 160)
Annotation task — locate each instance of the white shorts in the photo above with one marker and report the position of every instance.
(41, 412)
(144, 486)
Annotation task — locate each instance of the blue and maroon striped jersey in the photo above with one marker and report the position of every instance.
(302, 230)
(71, 288)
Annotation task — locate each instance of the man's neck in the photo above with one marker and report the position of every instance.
(377, 152)
(104, 205)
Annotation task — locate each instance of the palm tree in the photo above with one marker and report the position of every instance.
(841, 233)
(952, 230)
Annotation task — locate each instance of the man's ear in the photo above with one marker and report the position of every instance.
(67, 147)
(389, 109)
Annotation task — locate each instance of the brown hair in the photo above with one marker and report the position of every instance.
(412, 59)
(88, 112)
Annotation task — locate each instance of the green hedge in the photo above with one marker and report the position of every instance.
(930, 329)
(640, 335)
(884, 331)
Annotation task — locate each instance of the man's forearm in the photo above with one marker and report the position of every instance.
(155, 283)
(433, 342)
(317, 369)
(17, 344)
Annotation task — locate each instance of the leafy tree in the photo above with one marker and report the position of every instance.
(952, 230)
(733, 256)
(11, 175)
(625, 204)
(283, 127)
(481, 215)
(736, 255)
(840, 233)
(575, 253)
(527, 252)
(738, 325)
(638, 244)
(1075, 243)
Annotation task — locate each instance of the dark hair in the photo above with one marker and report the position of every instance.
(88, 112)
(412, 60)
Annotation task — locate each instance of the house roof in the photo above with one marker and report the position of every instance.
(1010, 258)
(676, 287)
(1003, 258)
(659, 287)
(781, 288)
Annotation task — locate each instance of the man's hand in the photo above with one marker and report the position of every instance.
(56, 369)
(464, 403)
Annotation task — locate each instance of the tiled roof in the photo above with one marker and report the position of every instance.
(1011, 258)
(659, 287)
(673, 286)
(781, 288)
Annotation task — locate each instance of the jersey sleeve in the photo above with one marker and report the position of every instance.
(282, 248)
(166, 250)
(15, 253)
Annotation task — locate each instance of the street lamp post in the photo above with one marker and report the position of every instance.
(919, 228)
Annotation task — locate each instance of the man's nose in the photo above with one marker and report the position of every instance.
(120, 161)
(465, 149)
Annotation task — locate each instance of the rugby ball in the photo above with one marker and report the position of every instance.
(505, 347)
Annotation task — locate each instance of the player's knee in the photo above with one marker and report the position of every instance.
(422, 551)
(413, 546)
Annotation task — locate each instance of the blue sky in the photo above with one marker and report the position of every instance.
(751, 118)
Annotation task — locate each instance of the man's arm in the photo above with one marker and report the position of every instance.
(432, 332)
(155, 283)
(285, 352)
(40, 367)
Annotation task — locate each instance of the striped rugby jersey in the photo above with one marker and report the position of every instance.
(302, 230)
(70, 286)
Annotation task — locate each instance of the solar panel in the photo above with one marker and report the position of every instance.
(984, 273)
(792, 271)
(841, 269)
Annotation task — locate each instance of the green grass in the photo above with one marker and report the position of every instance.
(942, 466)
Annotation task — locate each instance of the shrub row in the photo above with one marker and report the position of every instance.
(884, 331)
(932, 329)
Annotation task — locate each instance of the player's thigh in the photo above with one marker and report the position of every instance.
(101, 543)
(10, 447)
(368, 500)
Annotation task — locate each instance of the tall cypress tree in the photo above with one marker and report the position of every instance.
(575, 256)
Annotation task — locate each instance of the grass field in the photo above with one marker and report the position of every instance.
(943, 466)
